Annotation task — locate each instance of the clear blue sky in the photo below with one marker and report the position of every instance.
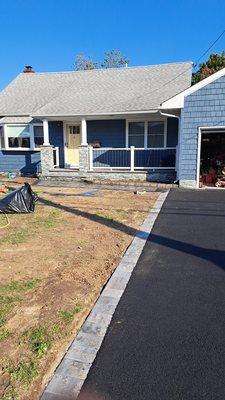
(47, 34)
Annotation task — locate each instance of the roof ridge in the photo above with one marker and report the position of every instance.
(108, 69)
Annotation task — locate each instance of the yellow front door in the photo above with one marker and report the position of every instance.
(72, 144)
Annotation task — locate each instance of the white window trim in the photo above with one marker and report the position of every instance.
(31, 131)
(164, 120)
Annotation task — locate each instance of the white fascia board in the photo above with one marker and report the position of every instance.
(93, 116)
(178, 100)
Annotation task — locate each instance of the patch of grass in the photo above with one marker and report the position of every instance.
(49, 220)
(9, 296)
(39, 340)
(10, 394)
(6, 305)
(68, 315)
(52, 218)
(106, 216)
(19, 286)
(56, 330)
(24, 371)
(4, 334)
(122, 213)
(17, 236)
(3, 316)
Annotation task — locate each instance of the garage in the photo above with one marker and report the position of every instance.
(201, 139)
(212, 158)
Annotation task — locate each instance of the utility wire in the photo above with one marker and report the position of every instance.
(184, 72)
(209, 48)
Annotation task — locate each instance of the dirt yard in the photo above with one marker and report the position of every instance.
(53, 266)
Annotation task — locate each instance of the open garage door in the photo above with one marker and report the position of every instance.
(212, 158)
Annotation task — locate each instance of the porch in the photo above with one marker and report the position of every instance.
(135, 144)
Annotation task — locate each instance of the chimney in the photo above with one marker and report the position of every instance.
(28, 69)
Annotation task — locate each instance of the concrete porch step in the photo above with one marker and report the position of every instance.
(61, 173)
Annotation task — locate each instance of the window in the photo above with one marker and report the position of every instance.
(150, 134)
(2, 137)
(18, 136)
(155, 134)
(74, 129)
(22, 136)
(38, 135)
(136, 134)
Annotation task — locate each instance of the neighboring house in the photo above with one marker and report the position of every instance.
(123, 123)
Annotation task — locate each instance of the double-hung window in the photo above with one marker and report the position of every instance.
(38, 135)
(136, 133)
(146, 134)
(156, 134)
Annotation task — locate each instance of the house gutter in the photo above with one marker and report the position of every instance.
(169, 115)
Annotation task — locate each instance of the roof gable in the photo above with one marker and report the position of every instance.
(177, 101)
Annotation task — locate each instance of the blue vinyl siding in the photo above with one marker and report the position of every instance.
(27, 162)
(110, 133)
(56, 139)
(206, 107)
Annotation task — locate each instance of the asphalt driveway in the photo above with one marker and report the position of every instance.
(167, 337)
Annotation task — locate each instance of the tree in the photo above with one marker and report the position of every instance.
(214, 63)
(112, 59)
(84, 63)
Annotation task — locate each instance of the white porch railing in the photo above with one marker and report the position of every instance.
(132, 158)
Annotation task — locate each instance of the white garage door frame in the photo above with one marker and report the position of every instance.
(200, 129)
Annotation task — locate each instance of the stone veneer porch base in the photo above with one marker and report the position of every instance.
(121, 178)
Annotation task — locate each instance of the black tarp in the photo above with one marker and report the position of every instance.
(19, 201)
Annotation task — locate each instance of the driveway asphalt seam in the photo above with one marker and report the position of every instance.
(73, 369)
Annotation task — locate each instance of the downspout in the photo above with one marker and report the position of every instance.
(178, 145)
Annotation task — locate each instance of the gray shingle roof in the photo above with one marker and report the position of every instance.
(95, 92)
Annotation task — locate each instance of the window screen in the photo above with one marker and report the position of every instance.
(155, 134)
(136, 132)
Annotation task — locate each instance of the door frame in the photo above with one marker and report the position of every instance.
(200, 129)
(65, 123)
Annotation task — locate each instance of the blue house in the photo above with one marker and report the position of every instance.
(128, 123)
(201, 139)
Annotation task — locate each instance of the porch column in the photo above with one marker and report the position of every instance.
(46, 132)
(47, 159)
(83, 132)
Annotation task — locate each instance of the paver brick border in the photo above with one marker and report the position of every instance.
(73, 369)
